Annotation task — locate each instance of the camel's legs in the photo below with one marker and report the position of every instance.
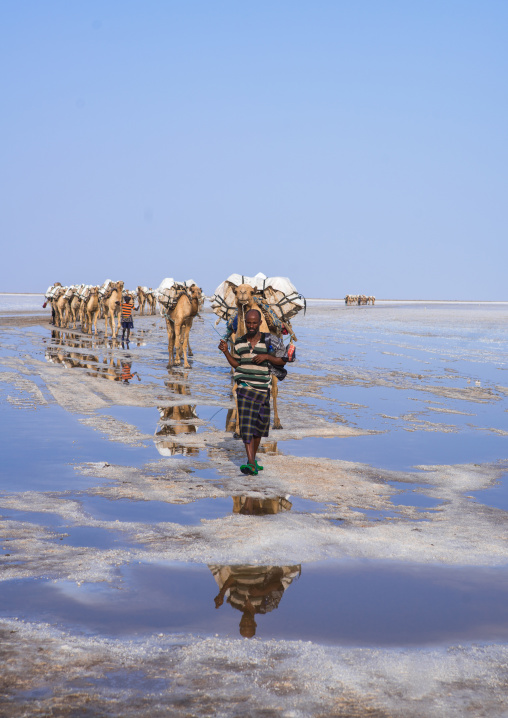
(178, 348)
(275, 392)
(231, 420)
(171, 340)
(186, 331)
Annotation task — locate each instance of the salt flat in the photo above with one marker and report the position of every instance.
(378, 523)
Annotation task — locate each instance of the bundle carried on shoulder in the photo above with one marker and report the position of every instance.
(169, 292)
(276, 297)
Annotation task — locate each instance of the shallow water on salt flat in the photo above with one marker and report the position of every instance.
(348, 603)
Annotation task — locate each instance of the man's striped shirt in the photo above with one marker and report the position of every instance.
(255, 376)
(127, 311)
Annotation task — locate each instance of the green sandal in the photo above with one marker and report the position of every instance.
(258, 466)
(249, 469)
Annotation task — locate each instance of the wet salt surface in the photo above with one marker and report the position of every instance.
(350, 603)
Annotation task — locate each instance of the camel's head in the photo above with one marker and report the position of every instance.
(195, 292)
(119, 287)
(244, 294)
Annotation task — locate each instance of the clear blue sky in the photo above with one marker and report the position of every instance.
(356, 146)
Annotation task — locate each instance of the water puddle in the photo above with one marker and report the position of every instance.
(350, 603)
(412, 496)
(44, 444)
(402, 450)
(496, 497)
(128, 510)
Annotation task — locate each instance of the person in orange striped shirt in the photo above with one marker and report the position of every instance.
(126, 309)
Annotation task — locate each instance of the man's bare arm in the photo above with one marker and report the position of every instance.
(223, 346)
(277, 361)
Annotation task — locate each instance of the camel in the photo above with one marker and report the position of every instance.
(142, 299)
(75, 306)
(111, 303)
(152, 301)
(60, 303)
(90, 310)
(179, 323)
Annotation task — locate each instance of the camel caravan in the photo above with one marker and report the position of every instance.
(359, 299)
(278, 301)
(85, 304)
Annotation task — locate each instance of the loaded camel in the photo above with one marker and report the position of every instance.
(75, 306)
(179, 323)
(60, 304)
(111, 304)
(142, 299)
(90, 310)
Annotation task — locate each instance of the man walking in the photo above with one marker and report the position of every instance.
(251, 361)
(126, 308)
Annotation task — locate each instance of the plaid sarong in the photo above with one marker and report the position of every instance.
(253, 412)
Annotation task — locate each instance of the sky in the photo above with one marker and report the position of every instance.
(354, 146)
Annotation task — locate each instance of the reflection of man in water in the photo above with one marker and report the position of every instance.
(127, 375)
(252, 589)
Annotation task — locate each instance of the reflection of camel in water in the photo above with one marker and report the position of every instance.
(60, 353)
(252, 589)
(181, 415)
(106, 367)
(176, 420)
(253, 506)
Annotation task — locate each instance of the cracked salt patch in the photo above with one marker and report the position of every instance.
(348, 603)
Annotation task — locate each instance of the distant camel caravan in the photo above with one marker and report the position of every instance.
(359, 299)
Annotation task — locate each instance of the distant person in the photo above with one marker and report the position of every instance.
(126, 308)
(250, 361)
(53, 314)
